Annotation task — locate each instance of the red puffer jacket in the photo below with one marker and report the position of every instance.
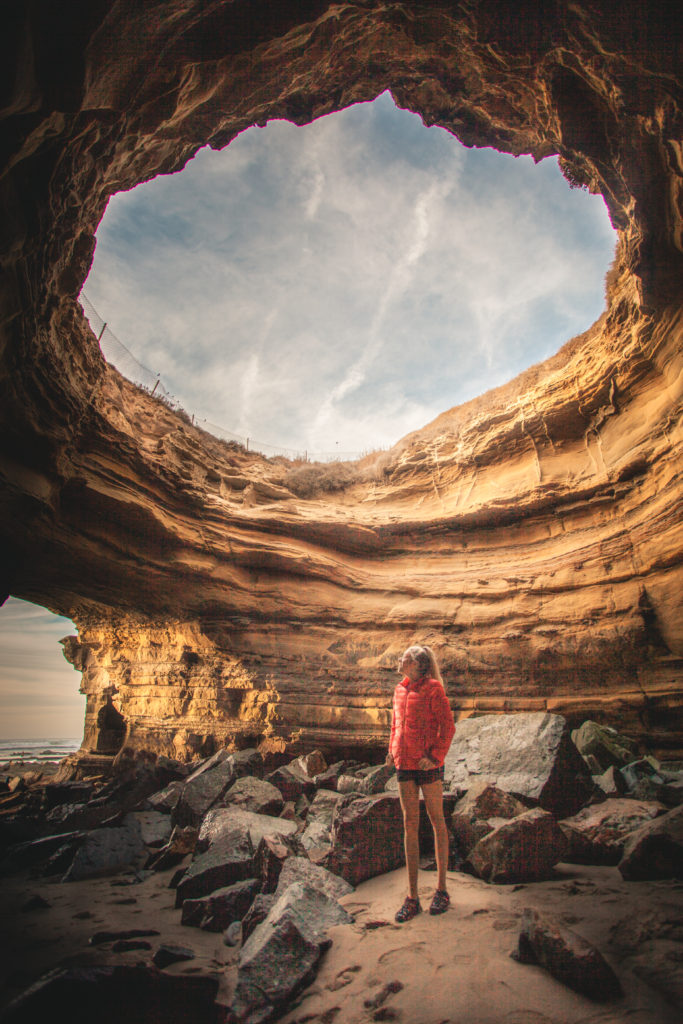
(421, 723)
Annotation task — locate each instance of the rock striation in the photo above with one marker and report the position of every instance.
(532, 536)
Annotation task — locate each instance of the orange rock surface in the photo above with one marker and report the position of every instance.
(532, 536)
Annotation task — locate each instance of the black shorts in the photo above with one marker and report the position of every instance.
(422, 778)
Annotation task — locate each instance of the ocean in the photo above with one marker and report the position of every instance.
(37, 749)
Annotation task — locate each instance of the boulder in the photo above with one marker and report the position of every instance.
(257, 913)
(230, 859)
(247, 762)
(292, 782)
(479, 811)
(168, 954)
(605, 744)
(655, 850)
(300, 869)
(222, 820)
(328, 778)
(282, 954)
(256, 795)
(349, 784)
(311, 764)
(366, 838)
(105, 851)
(219, 909)
(183, 840)
(569, 957)
(596, 835)
(523, 849)
(201, 791)
(611, 782)
(166, 799)
(271, 854)
(529, 755)
(319, 819)
(155, 827)
(376, 779)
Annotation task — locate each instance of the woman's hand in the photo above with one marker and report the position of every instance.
(389, 760)
(425, 764)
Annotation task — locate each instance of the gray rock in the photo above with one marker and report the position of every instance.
(271, 854)
(311, 764)
(479, 811)
(257, 913)
(349, 784)
(232, 936)
(224, 819)
(230, 859)
(300, 869)
(366, 837)
(604, 744)
(376, 779)
(255, 795)
(597, 834)
(611, 782)
(283, 953)
(655, 850)
(247, 762)
(201, 791)
(104, 851)
(529, 755)
(167, 954)
(166, 799)
(155, 827)
(292, 783)
(523, 849)
(569, 957)
(220, 908)
(182, 841)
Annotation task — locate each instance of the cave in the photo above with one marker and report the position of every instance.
(111, 729)
(532, 536)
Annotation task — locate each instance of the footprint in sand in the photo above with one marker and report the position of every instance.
(381, 997)
(343, 978)
(397, 952)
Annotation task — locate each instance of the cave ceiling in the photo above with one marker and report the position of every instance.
(533, 535)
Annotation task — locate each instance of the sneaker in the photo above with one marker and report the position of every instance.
(440, 903)
(411, 908)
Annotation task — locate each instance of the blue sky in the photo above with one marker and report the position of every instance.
(331, 287)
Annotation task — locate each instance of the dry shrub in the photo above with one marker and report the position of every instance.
(315, 478)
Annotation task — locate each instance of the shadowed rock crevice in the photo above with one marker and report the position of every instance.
(516, 533)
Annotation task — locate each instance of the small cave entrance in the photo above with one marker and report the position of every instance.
(111, 730)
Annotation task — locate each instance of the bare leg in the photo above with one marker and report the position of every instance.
(433, 794)
(410, 805)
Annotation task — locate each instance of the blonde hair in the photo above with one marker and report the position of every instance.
(426, 660)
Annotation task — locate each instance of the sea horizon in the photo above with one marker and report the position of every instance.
(40, 748)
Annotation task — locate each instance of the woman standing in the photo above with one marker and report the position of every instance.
(422, 728)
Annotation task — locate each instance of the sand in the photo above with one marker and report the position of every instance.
(454, 968)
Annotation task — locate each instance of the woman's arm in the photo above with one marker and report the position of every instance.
(390, 757)
(441, 712)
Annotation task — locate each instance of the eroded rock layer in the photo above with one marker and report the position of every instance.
(532, 536)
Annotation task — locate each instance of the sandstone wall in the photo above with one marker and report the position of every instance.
(533, 536)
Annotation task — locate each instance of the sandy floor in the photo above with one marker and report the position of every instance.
(453, 968)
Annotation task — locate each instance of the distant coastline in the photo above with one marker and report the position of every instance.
(37, 750)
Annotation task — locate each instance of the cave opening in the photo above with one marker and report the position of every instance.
(329, 288)
(111, 729)
(41, 707)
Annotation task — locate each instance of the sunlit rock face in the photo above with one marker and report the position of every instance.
(532, 536)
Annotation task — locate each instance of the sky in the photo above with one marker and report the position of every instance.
(330, 289)
(39, 695)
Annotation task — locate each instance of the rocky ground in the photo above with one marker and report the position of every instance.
(233, 890)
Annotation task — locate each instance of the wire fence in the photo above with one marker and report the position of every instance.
(116, 353)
